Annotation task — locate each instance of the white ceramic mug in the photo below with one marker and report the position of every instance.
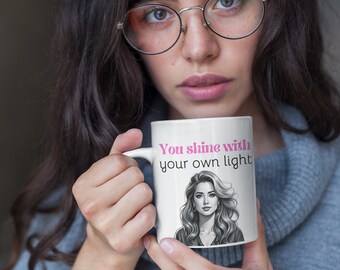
(204, 180)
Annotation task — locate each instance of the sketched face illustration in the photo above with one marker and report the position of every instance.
(205, 199)
(210, 205)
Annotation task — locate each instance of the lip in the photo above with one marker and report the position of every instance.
(206, 208)
(204, 87)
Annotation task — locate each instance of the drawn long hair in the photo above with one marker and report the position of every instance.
(226, 213)
(100, 89)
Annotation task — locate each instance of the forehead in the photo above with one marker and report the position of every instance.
(156, 1)
(194, 2)
(204, 187)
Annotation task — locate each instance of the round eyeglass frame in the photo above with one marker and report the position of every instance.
(120, 25)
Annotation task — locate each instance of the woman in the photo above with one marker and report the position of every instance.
(89, 206)
(209, 215)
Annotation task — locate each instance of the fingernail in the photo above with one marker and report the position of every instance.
(146, 242)
(167, 247)
(132, 130)
(258, 204)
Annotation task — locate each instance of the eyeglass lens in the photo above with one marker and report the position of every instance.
(155, 28)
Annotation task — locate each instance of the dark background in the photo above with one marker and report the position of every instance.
(26, 28)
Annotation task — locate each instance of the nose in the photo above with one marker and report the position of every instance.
(206, 200)
(198, 44)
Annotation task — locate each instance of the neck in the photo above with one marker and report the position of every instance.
(206, 223)
(266, 138)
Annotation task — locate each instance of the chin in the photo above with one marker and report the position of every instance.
(209, 114)
(221, 108)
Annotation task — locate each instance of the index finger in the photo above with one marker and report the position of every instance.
(127, 141)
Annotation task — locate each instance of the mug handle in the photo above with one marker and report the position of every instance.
(146, 153)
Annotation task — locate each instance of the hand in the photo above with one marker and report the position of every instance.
(172, 254)
(116, 203)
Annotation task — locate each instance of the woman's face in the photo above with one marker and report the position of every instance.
(204, 75)
(205, 199)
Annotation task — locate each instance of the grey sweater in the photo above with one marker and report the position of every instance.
(298, 187)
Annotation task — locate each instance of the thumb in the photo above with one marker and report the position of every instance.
(255, 253)
(127, 141)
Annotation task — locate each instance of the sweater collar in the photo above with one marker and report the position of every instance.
(310, 166)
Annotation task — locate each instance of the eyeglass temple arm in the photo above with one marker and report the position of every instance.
(119, 26)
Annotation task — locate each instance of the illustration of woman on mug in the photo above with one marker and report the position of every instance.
(209, 216)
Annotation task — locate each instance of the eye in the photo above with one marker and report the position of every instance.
(157, 15)
(198, 195)
(212, 195)
(227, 4)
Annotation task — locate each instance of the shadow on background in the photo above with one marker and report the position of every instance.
(26, 29)
(330, 14)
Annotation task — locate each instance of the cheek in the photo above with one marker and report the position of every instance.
(242, 57)
(241, 52)
(197, 202)
(214, 202)
(153, 64)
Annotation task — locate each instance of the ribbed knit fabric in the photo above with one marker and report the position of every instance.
(290, 183)
(298, 187)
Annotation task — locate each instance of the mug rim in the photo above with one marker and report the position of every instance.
(193, 120)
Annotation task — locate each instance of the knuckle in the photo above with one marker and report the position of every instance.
(75, 189)
(90, 209)
(78, 186)
(96, 165)
(136, 174)
(118, 161)
(148, 216)
(145, 192)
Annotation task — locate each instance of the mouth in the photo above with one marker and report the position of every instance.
(206, 208)
(205, 87)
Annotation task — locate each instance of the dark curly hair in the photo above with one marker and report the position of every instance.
(99, 91)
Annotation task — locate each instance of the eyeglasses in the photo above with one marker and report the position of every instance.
(155, 28)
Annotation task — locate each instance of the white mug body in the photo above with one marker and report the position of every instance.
(204, 180)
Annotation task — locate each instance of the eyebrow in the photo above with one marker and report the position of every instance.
(199, 192)
(146, 1)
